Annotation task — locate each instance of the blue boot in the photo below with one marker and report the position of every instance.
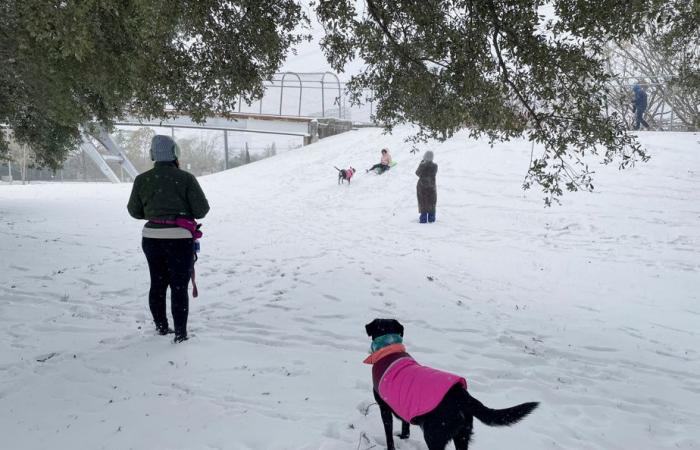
(431, 217)
(423, 218)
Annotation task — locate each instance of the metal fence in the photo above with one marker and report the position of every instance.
(309, 94)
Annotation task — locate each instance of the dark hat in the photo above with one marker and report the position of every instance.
(163, 148)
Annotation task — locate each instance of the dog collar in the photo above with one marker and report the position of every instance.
(385, 351)
(385, 340)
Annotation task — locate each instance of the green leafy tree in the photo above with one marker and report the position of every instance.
(67, 63)
(501, 68)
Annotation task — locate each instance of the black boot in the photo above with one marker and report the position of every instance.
(164, 330)
(179, 338)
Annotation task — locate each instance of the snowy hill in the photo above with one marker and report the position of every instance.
(590, 308)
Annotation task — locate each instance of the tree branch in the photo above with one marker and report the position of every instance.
(504, 68)
(375, 14)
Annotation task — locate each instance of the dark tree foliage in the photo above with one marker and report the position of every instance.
(67, 63)
(500, 68)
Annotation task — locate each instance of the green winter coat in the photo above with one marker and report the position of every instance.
(166, 192)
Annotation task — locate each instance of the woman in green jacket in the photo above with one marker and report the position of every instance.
(165, 195)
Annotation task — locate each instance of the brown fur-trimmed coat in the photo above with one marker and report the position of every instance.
(426, 188)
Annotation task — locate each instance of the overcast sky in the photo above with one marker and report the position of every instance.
(309, 57)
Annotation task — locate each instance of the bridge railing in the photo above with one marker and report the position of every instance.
(308, 94)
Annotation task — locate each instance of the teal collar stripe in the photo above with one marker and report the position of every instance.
(385, 340)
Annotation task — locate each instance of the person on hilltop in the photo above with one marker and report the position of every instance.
(639, 106)
(426, 188)
(384, 164)
(170, 199)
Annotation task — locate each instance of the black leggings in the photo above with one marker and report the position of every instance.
(640, 120)
(384, 167)
(170, 264)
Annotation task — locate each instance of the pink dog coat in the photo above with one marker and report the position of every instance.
(410, 389)
(349, 173)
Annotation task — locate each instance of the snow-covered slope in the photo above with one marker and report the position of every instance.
(590, 308)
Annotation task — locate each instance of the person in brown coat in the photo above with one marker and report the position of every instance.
(426, 188)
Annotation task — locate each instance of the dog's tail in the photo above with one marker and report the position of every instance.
(500, 417)
(337, 169)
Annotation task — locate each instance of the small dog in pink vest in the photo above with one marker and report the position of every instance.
(345, 174)
(436, 401)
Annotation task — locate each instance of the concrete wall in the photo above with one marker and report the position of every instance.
(331, 126)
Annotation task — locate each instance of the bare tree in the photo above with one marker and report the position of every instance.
(22, 155)
(202, 155)
(136, 145)
(671, 103)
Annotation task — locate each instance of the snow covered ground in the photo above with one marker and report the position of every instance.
(591, 308)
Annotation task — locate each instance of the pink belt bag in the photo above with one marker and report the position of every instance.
(190, 225)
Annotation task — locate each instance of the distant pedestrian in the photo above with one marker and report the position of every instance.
(426, 188)
(384, 163)
(170, 199)
(639, 106)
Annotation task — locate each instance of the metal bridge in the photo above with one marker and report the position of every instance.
(304, 105)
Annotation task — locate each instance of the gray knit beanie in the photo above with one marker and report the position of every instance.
(428, 156)
(163, 148)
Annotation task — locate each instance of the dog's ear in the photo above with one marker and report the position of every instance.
(371, 327)
(399, 327)
(392, 326)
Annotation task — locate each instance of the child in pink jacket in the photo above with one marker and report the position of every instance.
(385, 162)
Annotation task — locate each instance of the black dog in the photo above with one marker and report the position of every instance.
(451, 419)
(345, 174)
